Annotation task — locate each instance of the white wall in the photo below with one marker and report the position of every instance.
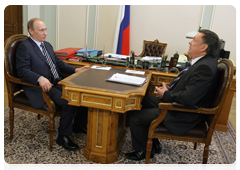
(107, 19)
(224, 24)
(71, 26)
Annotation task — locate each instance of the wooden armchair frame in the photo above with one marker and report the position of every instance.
(16, 96)
(154, 44)
(199, 134)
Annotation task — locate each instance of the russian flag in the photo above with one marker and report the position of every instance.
(124, 32)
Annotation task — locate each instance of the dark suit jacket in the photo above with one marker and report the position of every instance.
(31, 64)
(196, 87)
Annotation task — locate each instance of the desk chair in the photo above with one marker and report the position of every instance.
(16, 96)
(153, 48)
(201, 133)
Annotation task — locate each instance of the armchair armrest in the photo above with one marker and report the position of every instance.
(46, 97)
(194, 109)
(177, 107)
(181, 106)
(27, 83)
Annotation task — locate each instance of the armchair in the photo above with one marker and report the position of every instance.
(201, 133)
(16, 96)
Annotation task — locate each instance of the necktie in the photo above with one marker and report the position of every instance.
(180, 75)
(50, 62)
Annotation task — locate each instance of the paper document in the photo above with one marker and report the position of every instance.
(119, 56)
(126, 79)
(101, 67)
(152, 59)
(135, 72)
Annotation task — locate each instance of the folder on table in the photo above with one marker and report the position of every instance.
(90, 52)
(74, 58)
(66, 52)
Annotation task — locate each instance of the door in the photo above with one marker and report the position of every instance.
(12, 20)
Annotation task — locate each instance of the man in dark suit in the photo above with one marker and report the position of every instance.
(196, 85)
(37, 63)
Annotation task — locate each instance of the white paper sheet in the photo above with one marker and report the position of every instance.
(152, 59)
(135, 72)
(116, 56)
(101, 67)
(126, 79)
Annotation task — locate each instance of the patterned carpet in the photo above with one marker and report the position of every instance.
(31, 142)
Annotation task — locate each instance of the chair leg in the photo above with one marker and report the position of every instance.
(148, 150)
(195, 146)
(205, 154)
(11, 117)
(51, 130)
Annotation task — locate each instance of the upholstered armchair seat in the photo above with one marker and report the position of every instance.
(199, 131)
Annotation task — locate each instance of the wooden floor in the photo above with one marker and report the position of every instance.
(232, 115)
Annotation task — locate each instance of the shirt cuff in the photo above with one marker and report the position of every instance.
(39, 78)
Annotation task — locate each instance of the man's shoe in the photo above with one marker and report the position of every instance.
(66, 143)
(79, 129)
(157, 146)
(137, 155)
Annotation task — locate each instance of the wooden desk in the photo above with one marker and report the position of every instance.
(107, 103)
(158, 77)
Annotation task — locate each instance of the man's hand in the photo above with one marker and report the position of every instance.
(45, 84)
(159, 91)
(80, 68)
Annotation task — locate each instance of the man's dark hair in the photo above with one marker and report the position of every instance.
(211, 39)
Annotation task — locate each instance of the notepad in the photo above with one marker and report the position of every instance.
(126, 79)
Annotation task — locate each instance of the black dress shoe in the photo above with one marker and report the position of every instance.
(79, 129)
(157, 146)
(66, 143)
(137, 155)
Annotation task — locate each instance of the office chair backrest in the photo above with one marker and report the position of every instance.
(225, 69)
(153, 48)
(11, 45)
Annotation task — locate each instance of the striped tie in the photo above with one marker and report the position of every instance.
(50, 62)
(180, 75)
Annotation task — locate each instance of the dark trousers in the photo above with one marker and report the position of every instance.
(81, 117)
(67, 113)
(140, 120)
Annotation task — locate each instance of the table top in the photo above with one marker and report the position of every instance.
(94, 81)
